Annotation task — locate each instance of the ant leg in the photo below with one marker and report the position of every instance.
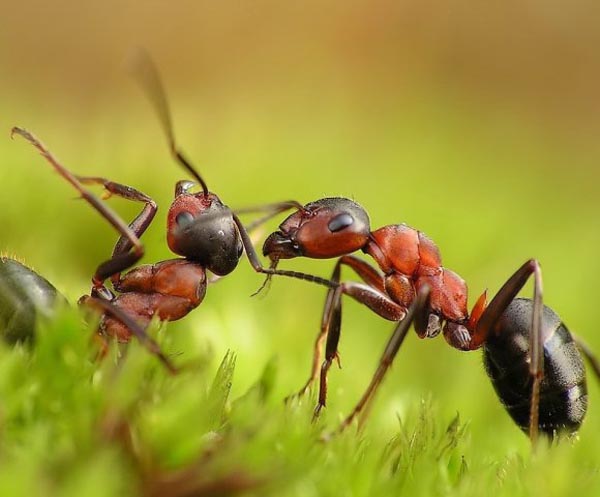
(371, 296)
(117, 263)
(332, 314)
(145, 339)
(496, 308)
(378, 302)
(419, 306)
(140, 223)
(331, 328)
(369, 275)
(589, 355)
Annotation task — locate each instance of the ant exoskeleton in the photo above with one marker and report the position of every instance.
(544, 389)
(24, 295)
(206, 233)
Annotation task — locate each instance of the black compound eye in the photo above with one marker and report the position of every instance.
(184, 218)
(340, 222)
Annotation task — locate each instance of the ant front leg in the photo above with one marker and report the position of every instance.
(417, 310)
(138, 226)
(371, 295)
(117, 263)
(331, 318)
(132, 248)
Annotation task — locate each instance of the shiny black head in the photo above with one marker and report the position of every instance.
(202, 229)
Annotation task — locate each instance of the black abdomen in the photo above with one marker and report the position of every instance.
(24, 294)
(563, 392)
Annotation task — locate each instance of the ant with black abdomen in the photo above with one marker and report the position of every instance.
(533, 360)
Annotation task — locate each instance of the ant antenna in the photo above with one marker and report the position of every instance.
(144, 70)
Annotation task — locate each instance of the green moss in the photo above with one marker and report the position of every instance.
(69, 426)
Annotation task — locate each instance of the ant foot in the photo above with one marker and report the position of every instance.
(317, 412)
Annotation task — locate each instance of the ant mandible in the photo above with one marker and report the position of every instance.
(530, 356)
(205, 232)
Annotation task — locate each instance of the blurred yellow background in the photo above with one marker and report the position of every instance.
(475, 123)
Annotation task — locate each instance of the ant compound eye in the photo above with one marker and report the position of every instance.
(340, 222)
(184, 218)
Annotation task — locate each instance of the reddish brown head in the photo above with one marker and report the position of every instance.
(201, 228)
(330, 227)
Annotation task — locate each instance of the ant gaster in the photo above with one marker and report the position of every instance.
(200, 228)
(531, 357)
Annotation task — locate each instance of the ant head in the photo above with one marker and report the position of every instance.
(201, 228)
(327, 228)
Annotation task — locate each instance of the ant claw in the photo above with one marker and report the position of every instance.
(317, 411)
(338, 360)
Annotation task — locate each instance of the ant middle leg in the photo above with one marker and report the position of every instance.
(374, 299)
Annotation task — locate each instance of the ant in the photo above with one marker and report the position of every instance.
(532, 359)
(205, 232)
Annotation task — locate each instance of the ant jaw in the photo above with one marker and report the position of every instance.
(280, 246)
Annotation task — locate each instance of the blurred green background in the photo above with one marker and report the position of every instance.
(475, 123)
